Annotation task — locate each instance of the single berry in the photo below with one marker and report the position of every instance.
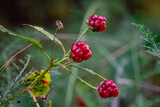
(97, 23)
(80, 101)
(80, 51)
(108, 89)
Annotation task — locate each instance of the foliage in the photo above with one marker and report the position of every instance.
(14, 84)
(116, 54)
(152, 44)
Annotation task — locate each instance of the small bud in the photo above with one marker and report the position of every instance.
(59, 24)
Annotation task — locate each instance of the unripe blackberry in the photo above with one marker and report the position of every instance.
(108, 89)
(97, 23)
(80, 51)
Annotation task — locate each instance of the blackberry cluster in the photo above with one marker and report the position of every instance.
(97, 23)
(108, 89)
(80, 51)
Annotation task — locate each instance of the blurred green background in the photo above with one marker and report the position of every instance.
(117, 53)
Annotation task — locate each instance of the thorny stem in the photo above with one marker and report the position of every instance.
(79, 38)
(79, 77)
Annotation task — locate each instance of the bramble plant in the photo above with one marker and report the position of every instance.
(37, 83)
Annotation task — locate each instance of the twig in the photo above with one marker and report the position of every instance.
(53, 42)
(49, 91)
(23, 78)
(79, 77)
(14, 56)
(34, 99)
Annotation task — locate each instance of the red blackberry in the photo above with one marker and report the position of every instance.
(97, 23)
(108, 89)
(80, 51)
(80, 101)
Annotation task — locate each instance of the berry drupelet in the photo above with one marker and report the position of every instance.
(108, 89)
(97, 23)
(80, 51)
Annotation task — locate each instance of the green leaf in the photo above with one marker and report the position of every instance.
(50, 36)
(45, 33)
(2, 68)
(36, 43)
(151, 41)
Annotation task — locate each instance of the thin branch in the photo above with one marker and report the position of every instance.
(14, 56)
(34, 99)
(79, 78)
(53, 42)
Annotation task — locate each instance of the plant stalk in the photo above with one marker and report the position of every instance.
(79, 77)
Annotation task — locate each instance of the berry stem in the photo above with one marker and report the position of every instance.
(79, 77)
(33, 97)
(90, 71)
(79, 39)
(53, 43)
(47, 56)
(82, 34)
